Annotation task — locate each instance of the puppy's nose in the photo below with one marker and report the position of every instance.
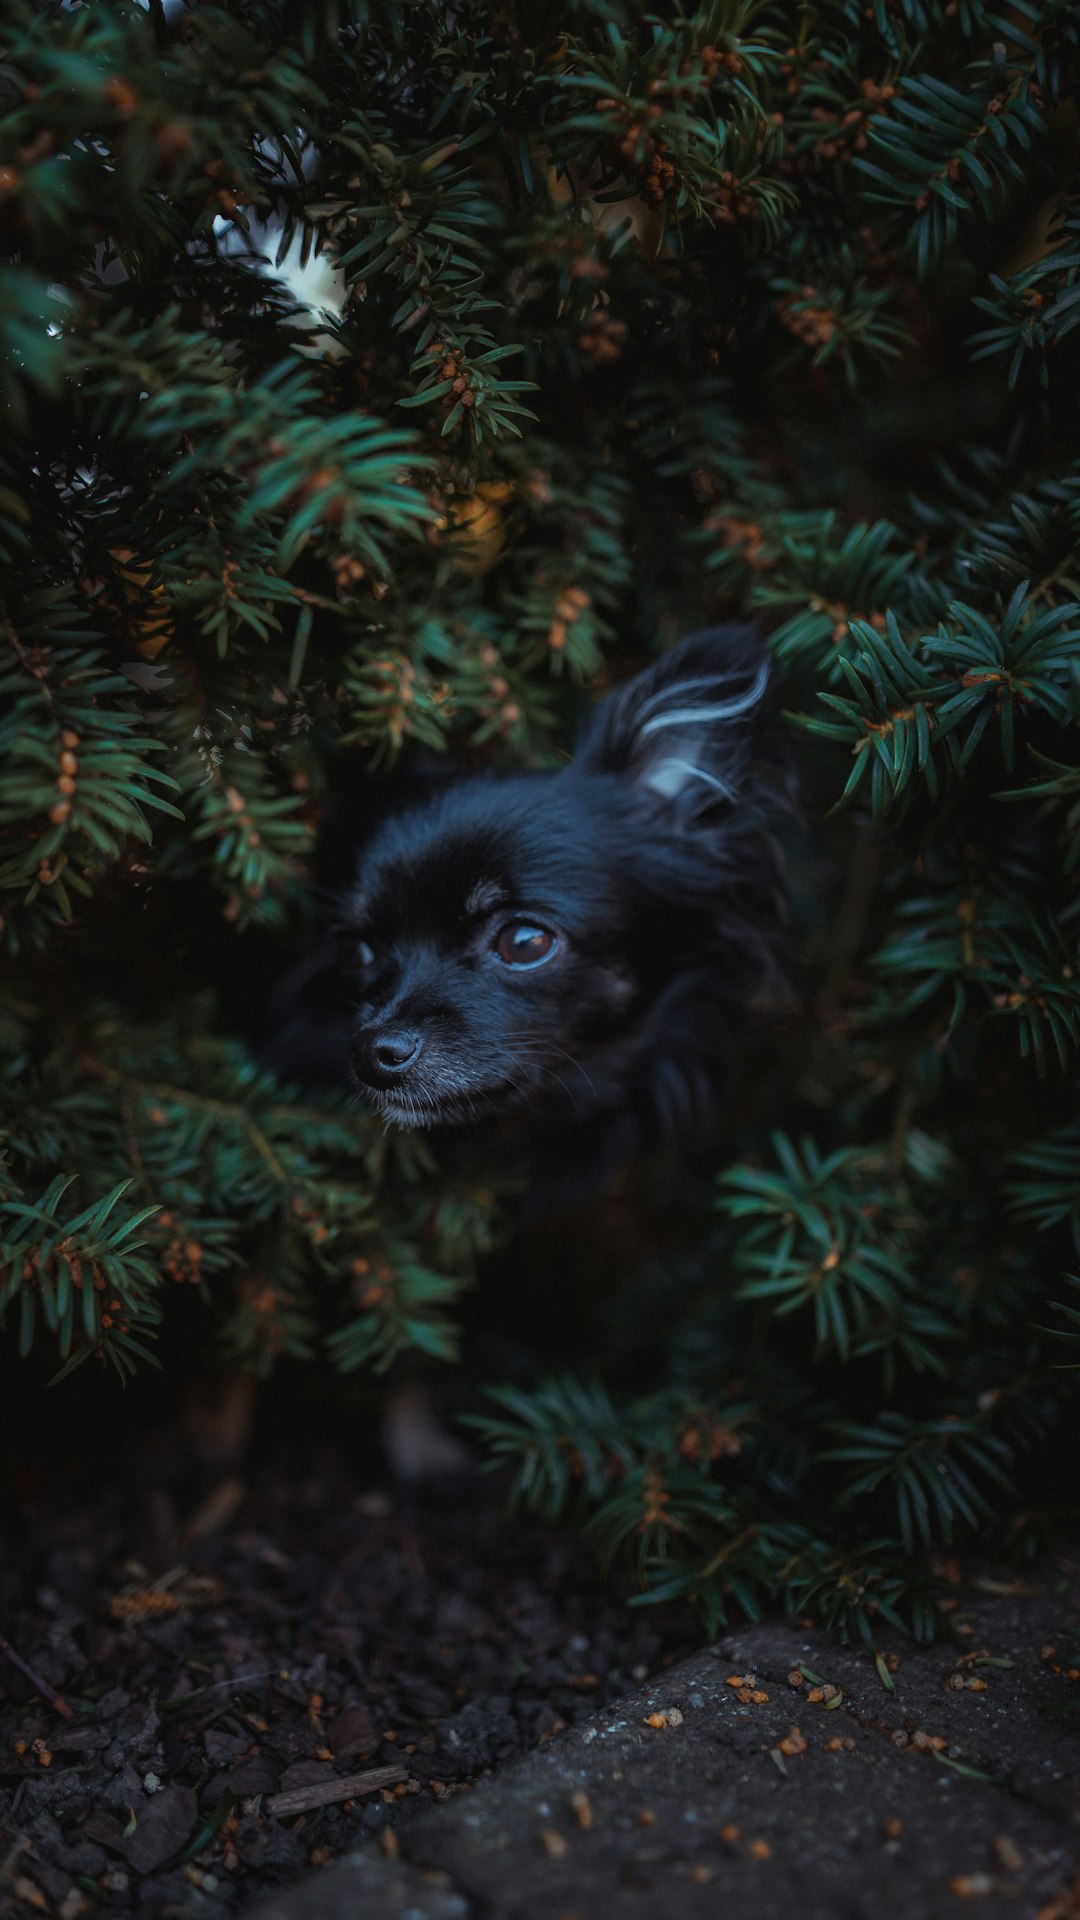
(396, 1051)
(381, 1059)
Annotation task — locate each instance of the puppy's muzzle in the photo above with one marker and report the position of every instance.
(381, 1057)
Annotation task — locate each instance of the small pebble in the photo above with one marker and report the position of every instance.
(670, 1718)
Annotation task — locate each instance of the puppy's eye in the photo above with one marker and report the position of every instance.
(522, 945)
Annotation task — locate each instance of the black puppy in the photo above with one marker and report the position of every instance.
(576, 949)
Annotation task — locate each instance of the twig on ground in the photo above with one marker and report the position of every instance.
(348, 1787)
(42, 1686)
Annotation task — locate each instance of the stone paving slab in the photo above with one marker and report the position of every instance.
(772, 1801)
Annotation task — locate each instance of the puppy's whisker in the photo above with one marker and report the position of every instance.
(546, 1048)
(537, 1064)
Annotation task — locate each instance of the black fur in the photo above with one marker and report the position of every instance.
(650, 864)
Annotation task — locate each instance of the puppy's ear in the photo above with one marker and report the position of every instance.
(683, 730)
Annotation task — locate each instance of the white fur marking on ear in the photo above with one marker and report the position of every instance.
(681, 688)
(669, 777)
(697, 716)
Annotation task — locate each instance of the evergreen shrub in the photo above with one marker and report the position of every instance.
(634, 320)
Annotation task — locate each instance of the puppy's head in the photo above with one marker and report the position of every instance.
(514, 937)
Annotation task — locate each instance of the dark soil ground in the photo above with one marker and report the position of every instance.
(777, 1774)
(283, 1630)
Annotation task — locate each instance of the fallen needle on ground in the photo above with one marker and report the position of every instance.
(47, 1693)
